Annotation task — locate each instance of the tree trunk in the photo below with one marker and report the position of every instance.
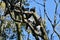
(18, 31)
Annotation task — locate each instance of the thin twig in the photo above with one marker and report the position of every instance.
(52, 35)
(56, 33)
(38, 3)
(58, 22)
(55, 18)
(46, 14)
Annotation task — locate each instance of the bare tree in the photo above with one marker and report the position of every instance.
(20, 15)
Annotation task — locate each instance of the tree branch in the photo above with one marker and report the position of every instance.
(38, 3)
(30, 25)
(56, 33)
(58, 22)
(55, 18)
(47, 15)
